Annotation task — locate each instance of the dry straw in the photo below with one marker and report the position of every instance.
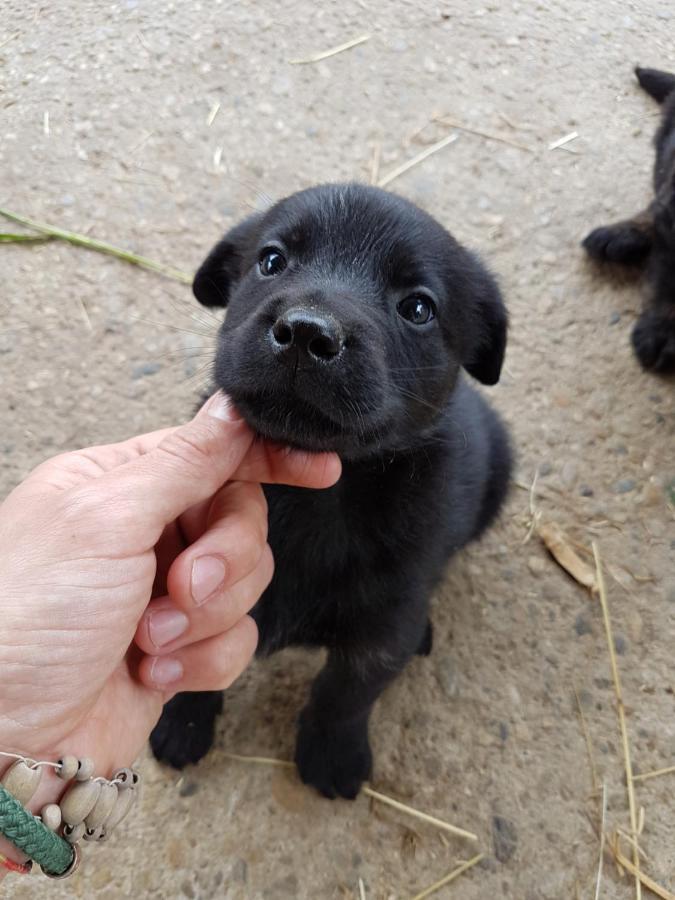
(621, 713)
(81, 240)
(325, 54)
(416, 160)
(395, 804)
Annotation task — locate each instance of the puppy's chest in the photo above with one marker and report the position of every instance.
(341, 556)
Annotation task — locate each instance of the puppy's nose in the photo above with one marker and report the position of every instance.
(314, 335)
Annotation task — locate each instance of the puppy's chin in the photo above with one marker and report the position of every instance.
(290, 421)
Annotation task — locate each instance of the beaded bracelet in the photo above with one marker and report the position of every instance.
(90, 808)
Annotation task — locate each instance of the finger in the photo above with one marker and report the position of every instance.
(165, 628)
(210, 665)
(229, 548)
(187, 466)
(171, 543)
(276, 463)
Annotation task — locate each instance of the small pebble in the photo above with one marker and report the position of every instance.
(614, 318)
(446, 673)
(634, 625)
(505, 838)
(545, 469)
(188, 788)
(536, 565)
(582, 625)
(586, 491)
(620, 644)
(624, 486)
(144, 369)
(568, 473)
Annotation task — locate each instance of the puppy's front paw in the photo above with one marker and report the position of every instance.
(184, 733)
(654, 342)
(622, 243)
(336, 761)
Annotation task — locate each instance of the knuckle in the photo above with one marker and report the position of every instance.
(186, 449)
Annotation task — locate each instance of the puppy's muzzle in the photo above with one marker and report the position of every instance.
(303, 335)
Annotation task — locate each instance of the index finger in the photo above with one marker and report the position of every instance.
(264, 462)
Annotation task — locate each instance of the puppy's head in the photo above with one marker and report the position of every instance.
(350, 313)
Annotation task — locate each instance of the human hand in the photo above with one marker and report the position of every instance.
(89, 537)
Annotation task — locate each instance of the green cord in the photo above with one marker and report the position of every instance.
(21, 828)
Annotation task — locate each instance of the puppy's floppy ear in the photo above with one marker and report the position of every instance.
(487, 321)
(223, 267)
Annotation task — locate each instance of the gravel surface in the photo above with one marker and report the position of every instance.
(105, 129)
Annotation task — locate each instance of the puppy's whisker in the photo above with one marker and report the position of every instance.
(201, 334)
(411, 395)
(202, 315)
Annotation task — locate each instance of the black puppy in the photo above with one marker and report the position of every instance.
(351, 313)
(649, 237)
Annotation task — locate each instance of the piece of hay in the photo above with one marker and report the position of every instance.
(81, 240)
(10, 38)
(645, 776)
(621, 711)
(369, 792)
(375, 163)
(640, 876)
(383, 798)
(572, 136)
(324, 54)
(399, 170)
(559, 546)
(451, 876)
(213, 112)
(535, 514)
(601, 854)
(10, 238)
(411, 811)
(488, 135)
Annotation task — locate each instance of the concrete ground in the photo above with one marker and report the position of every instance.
(155, 126)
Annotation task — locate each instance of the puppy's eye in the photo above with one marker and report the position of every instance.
(271, 262)
(417, 309)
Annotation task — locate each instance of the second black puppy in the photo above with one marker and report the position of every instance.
(649, 237)
(351, 314)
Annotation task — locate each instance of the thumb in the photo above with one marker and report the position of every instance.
(186, 467)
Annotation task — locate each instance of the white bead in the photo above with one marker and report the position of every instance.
(21, 781)
(124, 802)
(128, 777)
(74, 833)
(79, 801)
(85, 769)
(51, 816)
(68, 767)
(103, 807)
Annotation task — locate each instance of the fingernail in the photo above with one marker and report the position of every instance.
(165, 670)
(165, 625)
(221, 407)
(208, 574)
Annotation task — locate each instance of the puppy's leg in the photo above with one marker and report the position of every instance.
(332, 752)
(184, 733)
(653, 340)
(627, 242)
